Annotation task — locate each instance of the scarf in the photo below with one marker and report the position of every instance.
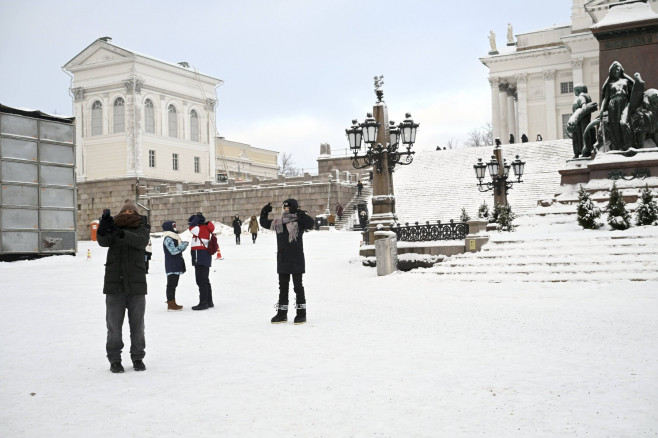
(127, 220)
(174, 236)
(290, 221)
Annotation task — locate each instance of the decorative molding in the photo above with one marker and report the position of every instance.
(78, 94)
(210, 103)
(521, 79)
(129, 85)
(549, 74)
(577, 63)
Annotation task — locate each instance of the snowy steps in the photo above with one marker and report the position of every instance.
(559, 259)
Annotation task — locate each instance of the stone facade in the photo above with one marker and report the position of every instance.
(171, 200)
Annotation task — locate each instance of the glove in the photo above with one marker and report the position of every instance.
(267, 209)
(106, 222)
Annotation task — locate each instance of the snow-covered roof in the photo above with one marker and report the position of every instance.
(629, 12)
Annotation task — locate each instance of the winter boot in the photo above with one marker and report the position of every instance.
(172, 306)
(301, 314)
(138, 365)
(203, 298)
(281, 314)
(210, 303)
(116, 367)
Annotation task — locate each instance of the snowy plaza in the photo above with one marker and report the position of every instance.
(406, 355)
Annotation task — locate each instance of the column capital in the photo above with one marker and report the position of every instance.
(549, 74)
(137, 85)
(494, 81)
(521, 79)
(78, 94)
(577, 62)
(210, 103)
(503, 86)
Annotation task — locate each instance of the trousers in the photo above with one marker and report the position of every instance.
(115, 312)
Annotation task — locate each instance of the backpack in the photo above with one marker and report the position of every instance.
(212, 246)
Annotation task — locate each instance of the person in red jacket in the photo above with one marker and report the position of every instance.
(201, 259)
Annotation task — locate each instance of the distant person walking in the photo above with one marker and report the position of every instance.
(253, 228)
(289, 228)
(511, 139)
(539, 138)
(339, 211)
(524, 138)
(201, 259)
(237, 228)
(126, 237)
(359, 188)
(174, 264)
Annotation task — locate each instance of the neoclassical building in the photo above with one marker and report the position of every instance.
(532, 75)
(137, 116)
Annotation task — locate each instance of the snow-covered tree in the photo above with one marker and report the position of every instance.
(483, 211)
(493, 218)
(618, 217)
(464, 216)
(588, 212)
(505, 218)
(647, 209)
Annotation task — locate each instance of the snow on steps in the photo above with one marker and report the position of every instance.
(555, 248)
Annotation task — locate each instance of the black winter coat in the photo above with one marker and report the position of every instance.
(237, 224)
(289, 255)
(125, 268)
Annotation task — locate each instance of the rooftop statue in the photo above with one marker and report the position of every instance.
(379, 81)
(492, 42)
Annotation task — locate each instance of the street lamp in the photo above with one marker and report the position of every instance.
(499, 174)
(387, 145)
(376, 153)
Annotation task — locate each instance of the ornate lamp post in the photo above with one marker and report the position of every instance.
(500, 183)
(383, 154)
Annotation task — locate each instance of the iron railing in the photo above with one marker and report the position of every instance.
(429, 232)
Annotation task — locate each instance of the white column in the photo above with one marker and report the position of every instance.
(164, 113)
(577, 70)
(511, 118)
(78, 111)
(522, 104)
(502, 104)
(212, 135)
(551, 116)
(495, 106)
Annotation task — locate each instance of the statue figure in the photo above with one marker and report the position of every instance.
(510, 35)
(582, 108)
(492, 42)
(641, 114)
(615, 94)
(379, 81)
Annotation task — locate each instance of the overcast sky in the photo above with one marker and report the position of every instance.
(295, 72)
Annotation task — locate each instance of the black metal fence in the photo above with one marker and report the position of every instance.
(429, 232)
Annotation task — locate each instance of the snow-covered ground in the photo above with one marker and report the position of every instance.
(407, 355)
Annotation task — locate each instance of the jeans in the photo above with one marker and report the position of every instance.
(115, 311)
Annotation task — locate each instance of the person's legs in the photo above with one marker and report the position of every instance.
(300, 298)
(136, 306)
(282, 305)
(115, 311)
(201, 274)
(172, 284)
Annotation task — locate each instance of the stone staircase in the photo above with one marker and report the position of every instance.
(560, 252)
(349, 220)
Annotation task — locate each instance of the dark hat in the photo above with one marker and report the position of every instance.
(292, 204)
(129, 205)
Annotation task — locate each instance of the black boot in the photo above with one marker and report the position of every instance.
(203, 299)
(301, 314)
(116, 367)
(281, 314)
(210, 303)
(138, 365)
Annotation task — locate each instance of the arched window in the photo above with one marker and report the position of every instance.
(149, 117)
(194, 126)
(119, 115)
(173, 121)
(97, 118)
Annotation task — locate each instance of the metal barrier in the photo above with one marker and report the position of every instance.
(429, 232)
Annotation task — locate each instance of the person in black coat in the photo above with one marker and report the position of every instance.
(237, 228)
(289, 228)
(126, 236)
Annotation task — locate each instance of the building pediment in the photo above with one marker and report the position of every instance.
(99, 52)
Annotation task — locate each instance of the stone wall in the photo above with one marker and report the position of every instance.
(172, 200)
(328, 164)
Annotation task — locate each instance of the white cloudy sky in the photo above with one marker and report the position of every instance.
(296, 71)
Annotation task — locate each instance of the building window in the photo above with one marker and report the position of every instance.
(119, 115)
(149, 117)
(173, 121)
(97, 118)
(565, 121)
(566, 87)
(151, 158)
(197, 165)
(174, 161)
(194, 126)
